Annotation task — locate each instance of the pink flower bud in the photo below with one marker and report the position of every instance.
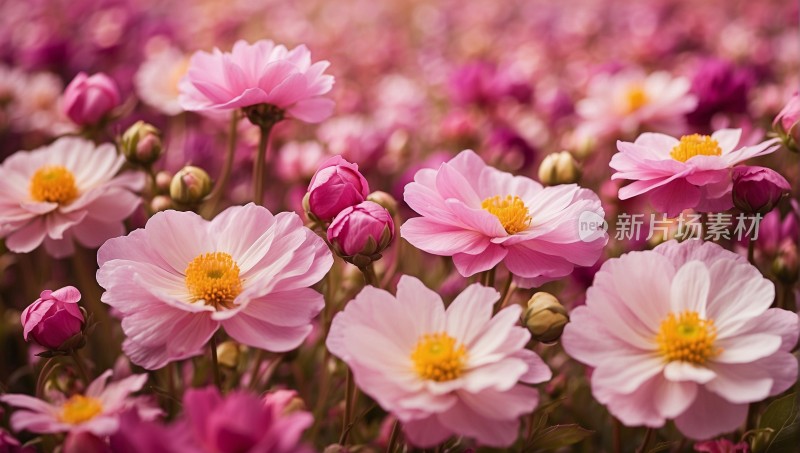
(757, 189)
(790, 115)
(88, 99)
(363, 230)
(336, 185)
(84, 442)
(53, 318)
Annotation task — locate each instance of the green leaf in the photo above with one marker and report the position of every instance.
(662, 446)
(558, 436)
(782, 416)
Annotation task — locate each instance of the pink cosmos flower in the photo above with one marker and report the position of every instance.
(63, 192)
(96, 411)
(441, 372)
(180, 278)
(53, 318)
(158, 77)
(691, 173)
(629, 100)
(482, 216)
(259, 73)
(683, 332)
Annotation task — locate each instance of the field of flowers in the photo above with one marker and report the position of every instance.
(399, 226)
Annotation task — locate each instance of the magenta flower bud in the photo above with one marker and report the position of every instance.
(53, 318)
(758, 189)
(88, 99)
(360, 233)
(787, 123)
(336, 185)
(84, 442)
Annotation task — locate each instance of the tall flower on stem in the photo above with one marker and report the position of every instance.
(180, 278)
(683, 332)
(266, 81)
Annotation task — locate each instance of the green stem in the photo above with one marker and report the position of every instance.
(393, 437)
(79, 364)
(506, 288)
(617, 436)
(648, 435)
(44, 375)
(370, 276)
(258, 165)
(214, 362)
(349, 406)
(227, 166)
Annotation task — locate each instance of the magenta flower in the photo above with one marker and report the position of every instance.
(88, 99)
(481, 217)
(441, 372)
(137, 435)
(365, 229)
(180, 278)
(722, 446)
(758, 189)
(63, 192)
(255, 74)
(691, 173)
(683, 332)
(96, 411)
(53, 318)
(336, 185)
(242, 423)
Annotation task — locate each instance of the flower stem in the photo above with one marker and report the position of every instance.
(393, 437)
(370, 276)
(349, 406)
(44, 375)
(648, 435)
(751, 251)
(227, 166)
(79, 364)
(258, 166)
(214, 362)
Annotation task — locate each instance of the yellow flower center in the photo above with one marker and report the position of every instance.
(214, 279)
(695, 145)
(510, 211)
(688, 338)
(636, 98)
(53, 184)
(79, 409)
(439, 357)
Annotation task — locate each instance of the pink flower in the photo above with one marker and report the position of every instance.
(627, 101)
(87, 99)
(254, 74)
(63, 192)
(242, 423)
(722, 446)
(158, 77)
(96, 411)
(137, 435)
(336, 185)
(180, 278)
(758, 189)
(789, 117)
(9, 444)
(84, 442)
(53, 318)
(441, 372)
(366, 229)
(683, 332)
(691, 173)
(481, 217)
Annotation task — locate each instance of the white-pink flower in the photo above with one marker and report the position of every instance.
(180, 278)
(482, 216)
(158, 77)
(626, 101)
(683, 332)
(255, 74)
(96, 411)
(63, 192)
(441, 372)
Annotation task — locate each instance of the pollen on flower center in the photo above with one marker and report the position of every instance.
(439, 357)
(53, 184)
(79, 409)
(687, 337)
(214, 279)
(636, 98)
(695, 145)
(510, 211)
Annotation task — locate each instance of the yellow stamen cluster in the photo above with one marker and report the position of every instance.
(439, 357)
(636, 98)
(687, 337)
(510, 211)
(214, 279)
(53, 184)
(79, 409)
(695, 145)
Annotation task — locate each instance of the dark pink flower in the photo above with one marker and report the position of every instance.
(364, 229)
(87, 99)
(53, 318)
(721, 446)
(758, 189)
(84, 442)
(336, 185)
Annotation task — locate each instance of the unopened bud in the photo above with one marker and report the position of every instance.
(163, 180)
(785, 266)
(228, 354)
(559, 168)
(141, 143)
(384, 199)
(360, 233)
(190, 185)
(160, 203)
(545, 317)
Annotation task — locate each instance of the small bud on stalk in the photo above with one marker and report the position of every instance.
(141, 144)
(360, 233)
(757, 190)
(787, 124)
(336, 185)
(559, 168)
(545, 317)
(190, 186)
